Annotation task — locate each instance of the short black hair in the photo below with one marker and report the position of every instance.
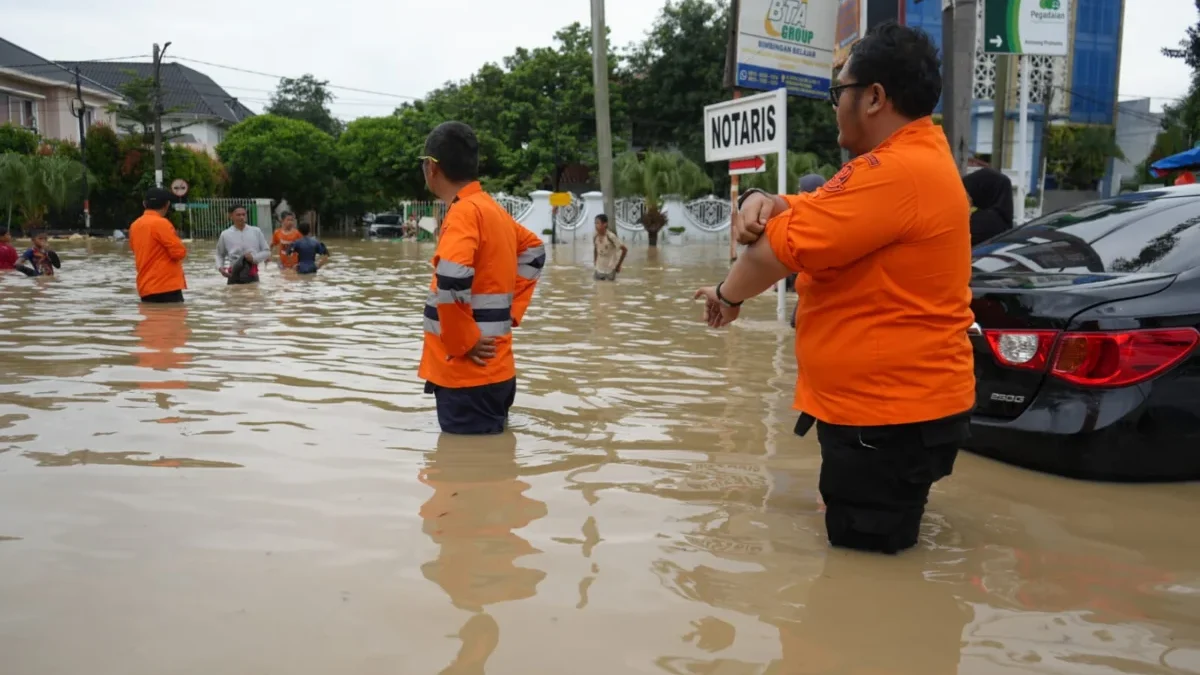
(34, 234)
(456, 149)
(156, 198)
(235, 207)
(303, 228)
(3, 230)
(905, 62)
(602, 218)
(285, 215)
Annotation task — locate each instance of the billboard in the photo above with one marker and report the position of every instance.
(851, 25)
(786, 43)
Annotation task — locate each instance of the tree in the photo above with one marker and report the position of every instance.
(35, 184)
(278, 157)
(378, 161)
(135, 116)
(17, 139)
(307, 99)
(12, 183)
(654, 176)
(1077, 155)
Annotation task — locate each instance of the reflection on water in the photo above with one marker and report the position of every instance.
(80, 457)
(650, 512)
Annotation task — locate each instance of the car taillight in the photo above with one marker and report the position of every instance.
(1025, 349)
(1120, 359)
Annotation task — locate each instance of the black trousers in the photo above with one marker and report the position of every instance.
(474, 411)
(168, 297)
(876, 480)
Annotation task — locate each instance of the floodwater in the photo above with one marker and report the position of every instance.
(255, 484)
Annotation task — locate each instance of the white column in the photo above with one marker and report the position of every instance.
(593, 203)
(1023, 142)
(538, 220)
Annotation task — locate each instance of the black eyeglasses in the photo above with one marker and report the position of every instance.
(835, 92)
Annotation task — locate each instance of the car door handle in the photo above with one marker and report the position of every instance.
(974, 330)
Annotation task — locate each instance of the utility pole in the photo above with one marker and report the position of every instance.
(603, 125)
(80, 113)
(1000, 116)
(158, 111)
(958, 68)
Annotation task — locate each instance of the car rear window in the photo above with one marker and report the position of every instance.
(387, 220)
(1144, 232)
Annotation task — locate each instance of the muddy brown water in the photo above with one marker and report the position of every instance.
(255, 483)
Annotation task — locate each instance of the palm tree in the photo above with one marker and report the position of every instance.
(654, 175)
(799, 164)
(46, 182)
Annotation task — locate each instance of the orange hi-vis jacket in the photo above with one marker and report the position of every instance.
(881, 332)
(158, 255)
(486, 267)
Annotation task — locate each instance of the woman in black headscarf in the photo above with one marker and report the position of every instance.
(992, 204)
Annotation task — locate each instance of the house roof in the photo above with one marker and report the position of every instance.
(21, 60)
(187, 90)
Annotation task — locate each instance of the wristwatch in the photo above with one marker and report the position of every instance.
(749, 192)
(723, 300)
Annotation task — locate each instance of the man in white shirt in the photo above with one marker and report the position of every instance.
(241, 247)
(608, 253)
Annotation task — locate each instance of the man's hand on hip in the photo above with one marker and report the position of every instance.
(482, 351)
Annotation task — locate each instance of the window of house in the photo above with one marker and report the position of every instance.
(4, 114)
(23, 112)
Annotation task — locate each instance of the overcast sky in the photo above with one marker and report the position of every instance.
(408, 48)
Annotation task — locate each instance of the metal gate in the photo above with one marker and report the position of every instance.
(207, 218)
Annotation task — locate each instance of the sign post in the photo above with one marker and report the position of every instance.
(740, 132)
(786, 44)
(1025, 27)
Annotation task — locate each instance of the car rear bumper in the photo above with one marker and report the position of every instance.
(1096, 435)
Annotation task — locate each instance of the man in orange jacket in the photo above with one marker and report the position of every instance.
(885, 367)
(486, 267)
(157, 251)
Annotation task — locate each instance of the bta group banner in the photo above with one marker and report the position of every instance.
(786, 43)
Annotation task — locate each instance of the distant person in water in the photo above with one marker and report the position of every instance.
(796, 282)
(286, 234)
(40, 258)
(311, 254)
(608, 253)
(8, 254)
(241, 242)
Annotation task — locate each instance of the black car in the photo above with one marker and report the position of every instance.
(1086, 358)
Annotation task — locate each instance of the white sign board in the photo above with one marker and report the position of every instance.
(786, 43)
(1040, 27)
(745, 127)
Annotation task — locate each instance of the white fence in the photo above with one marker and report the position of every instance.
(207, 218)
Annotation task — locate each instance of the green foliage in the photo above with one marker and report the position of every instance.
(35, 184)
(136, 115)
(17, 139)
(1077, 155)
(307, 99)
(799, 164)
(378, 160)
(278, 157)
(1170, 141)
(654, 176)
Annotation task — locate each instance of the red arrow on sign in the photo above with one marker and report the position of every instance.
(750, 165)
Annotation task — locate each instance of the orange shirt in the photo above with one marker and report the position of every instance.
(282, 238)
(158, 254)
(881, 333)
(486, 267)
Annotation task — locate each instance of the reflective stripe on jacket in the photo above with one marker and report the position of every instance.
(485, 269)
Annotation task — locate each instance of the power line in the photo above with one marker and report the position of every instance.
(59, 66)
(280, 77)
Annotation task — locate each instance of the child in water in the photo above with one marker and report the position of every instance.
(41, 258)
(311, 254)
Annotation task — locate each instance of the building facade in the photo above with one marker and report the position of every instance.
(1080, 88)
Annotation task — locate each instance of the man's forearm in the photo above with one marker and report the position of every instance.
(755, 271)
